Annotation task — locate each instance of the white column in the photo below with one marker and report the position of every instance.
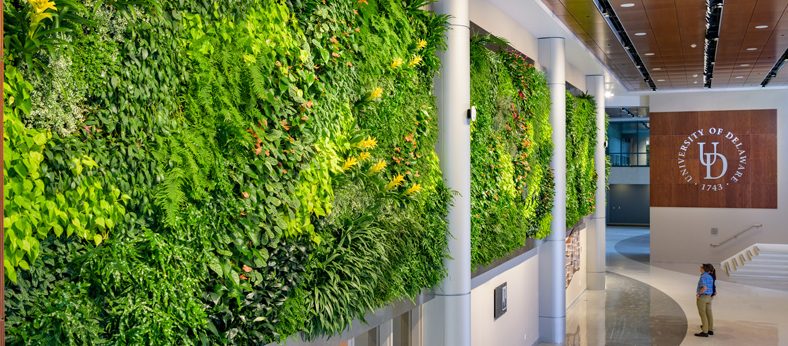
(596, 237)
(448, 317)
(552, 280)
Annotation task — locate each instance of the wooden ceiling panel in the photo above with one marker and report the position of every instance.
(669, 37)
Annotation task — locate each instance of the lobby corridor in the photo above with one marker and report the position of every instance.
(648, 305)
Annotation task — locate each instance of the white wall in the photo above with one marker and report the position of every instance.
(680, 237)
(520, 324)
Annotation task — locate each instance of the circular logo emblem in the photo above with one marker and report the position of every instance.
(720, 154)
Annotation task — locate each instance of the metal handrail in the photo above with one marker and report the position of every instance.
(737, 235)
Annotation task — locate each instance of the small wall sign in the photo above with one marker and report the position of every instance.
(500, 301)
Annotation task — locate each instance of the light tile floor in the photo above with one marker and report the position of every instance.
(643, 305)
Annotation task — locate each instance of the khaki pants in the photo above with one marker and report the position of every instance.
(704, 309)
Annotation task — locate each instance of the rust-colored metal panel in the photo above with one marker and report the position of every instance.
(714, 159)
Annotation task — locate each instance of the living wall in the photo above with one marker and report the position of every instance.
(183, 172)
(511, 146)
(580, 145)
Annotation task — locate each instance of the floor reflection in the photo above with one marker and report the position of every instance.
(634, 314)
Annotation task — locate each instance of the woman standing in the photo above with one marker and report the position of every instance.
(704, 293)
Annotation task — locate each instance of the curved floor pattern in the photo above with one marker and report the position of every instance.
(635, 248)
(634, 314)
(648, 305)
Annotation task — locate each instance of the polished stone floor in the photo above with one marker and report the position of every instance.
(647, 305)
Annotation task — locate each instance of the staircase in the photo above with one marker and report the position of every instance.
(762, 265)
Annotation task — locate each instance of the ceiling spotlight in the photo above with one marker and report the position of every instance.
(695, 75)
(761, 26)
(745, 65)
(693, 45)
(695, 82)
(739, 77)
(752, 49)
(658, 69)
(649, 54)
(660, 80)
(628, 4)
(640, 34)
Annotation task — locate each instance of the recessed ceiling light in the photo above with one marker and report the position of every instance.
(739, 77)
(660, 80)
(640, 34)
(693, 45)
(649, 54)
(695, 82)
(658, 69)
(695, 75)
(761, 26)
(752, 49)
(745, 65)
(628, 4)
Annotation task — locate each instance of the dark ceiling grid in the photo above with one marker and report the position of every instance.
(714, 10)
(742, 31)
(607, 11)
(607, 49)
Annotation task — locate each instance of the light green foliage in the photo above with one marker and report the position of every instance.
(580, 143)
(279, 165)
(512, 186)
(32, 212)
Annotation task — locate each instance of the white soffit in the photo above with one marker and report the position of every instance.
(540, 21)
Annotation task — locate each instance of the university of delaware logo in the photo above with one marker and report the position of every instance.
(721, 155)
(710, 159)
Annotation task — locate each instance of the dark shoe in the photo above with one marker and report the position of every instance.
(711, 332)
(702, 334)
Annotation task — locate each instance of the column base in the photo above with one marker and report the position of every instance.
(552, 330)
(447, 320)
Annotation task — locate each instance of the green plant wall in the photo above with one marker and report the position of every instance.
(512, 184)
(580, 145)
(190, 172)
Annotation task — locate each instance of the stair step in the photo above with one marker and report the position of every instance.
(759, 259)
(764, 266)
(772, 255)
(760, 271)
(757, 276)
(758, 282)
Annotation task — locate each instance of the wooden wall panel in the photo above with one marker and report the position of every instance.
(741, 173)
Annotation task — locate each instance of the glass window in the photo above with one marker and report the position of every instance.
(628, 143)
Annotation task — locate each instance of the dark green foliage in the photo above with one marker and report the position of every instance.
(278, 164)
(580, 172)
(512, 185)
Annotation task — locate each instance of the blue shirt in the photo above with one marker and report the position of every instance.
(708, 281)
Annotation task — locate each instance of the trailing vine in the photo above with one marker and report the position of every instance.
(512, 185)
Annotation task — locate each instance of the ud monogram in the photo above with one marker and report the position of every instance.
(713, 157)
(709, 159)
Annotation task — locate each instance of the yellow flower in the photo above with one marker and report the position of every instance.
(363, 156)
(415, 61)
(39, 6)
(378, 166)
(350, 162)
(396, 63)
(421, 44)
(395, 182)
(367, 143)
(39, 14)
(376, 93)
(413, 189)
